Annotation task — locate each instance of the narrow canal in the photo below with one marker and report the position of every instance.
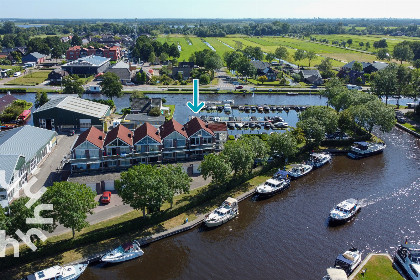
(287, 237)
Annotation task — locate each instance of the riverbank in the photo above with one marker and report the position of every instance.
(376, 267)
(100, 237)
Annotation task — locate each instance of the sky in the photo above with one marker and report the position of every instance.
(79, 9)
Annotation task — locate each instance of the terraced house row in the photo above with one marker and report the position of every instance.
(121, 148)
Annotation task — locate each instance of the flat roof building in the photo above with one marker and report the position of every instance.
(89, 65)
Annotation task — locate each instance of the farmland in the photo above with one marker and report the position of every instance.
(339, 55)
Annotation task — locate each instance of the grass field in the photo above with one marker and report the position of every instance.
(32, 79)
(186, 49)
(379, 268)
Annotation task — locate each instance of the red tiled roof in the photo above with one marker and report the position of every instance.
(218, 126)
(92, 135)
(120, 132)
(75, 48)
(171, 126)
(5, 101)
(194, 125)
(144, 130)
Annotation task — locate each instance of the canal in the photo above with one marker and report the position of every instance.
(286, 236)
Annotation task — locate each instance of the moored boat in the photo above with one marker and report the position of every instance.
(224, 213)
(299, 170)
(125, 252)
(344, 211)
(365, 149)
(349, 260)
(272, 186)
(70, 272)
(408, 258)
(319, 159)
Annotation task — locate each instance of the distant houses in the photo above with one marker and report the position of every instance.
(355, 76)
(57, 75)
(312, 77)
(183, 70)
(264, 69)
(76, 52)
(6, 101)
(122, 148)
(22, 149)
(123, 71)
(35, 57)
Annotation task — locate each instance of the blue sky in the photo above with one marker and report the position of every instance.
(209, 8)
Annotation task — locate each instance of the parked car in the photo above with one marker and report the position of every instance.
(239, 87)
(106, 197)
(71, 133)
(17, 74)
(401, 119)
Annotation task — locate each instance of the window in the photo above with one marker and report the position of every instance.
(168, 143)
(207, 140)
(181, 142)
(154, 148)
(195, 141)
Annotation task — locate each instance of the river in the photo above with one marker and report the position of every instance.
(287, 236)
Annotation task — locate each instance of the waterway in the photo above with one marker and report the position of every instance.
(287, 236)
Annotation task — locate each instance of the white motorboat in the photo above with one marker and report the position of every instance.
(239, 125)
(365, 149)
(70, 272)
(123, 253)
(299, 170)
(319, 159)
(281, 125)
(408, 258)
(227, 108)
(227, 211)
(335, 274)
(272, 186)
(349, 260)
(344, 211)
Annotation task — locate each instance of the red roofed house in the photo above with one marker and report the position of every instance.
(200, 138)
(76, 52)
(118, 146)
(174, 138)
(88, 149)
(147, 144)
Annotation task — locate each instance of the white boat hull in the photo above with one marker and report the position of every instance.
(124, 258)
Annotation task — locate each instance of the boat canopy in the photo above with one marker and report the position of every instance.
(343, 259)
(281, 174)
(336, 274)
(127, 246)
(231, 200)
(411, 246)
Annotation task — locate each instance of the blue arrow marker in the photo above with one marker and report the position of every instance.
(196, 106)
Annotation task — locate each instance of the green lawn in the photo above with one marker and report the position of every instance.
(32, 79)
(379, 268)
(411, 127)
(186, 49)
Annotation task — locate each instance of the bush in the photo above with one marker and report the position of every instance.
(204, 79)
(126, 111)
(155, 112)
(231, 137)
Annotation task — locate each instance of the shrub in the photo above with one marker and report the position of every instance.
(155, 112)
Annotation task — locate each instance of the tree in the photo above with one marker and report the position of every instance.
(350, 41)
(163, 56)
(299, 55)
(325, 67)
(177, 181)
(239, 45)
(385, 82)
(281, 53)
(381, 44)
(310, 55)
(373, 113)
(155, 112)
(174, 51)
(76, 41)
(357, 66)
(141, 77)
(262, 79)
(232, 59)
(73, 85)
(403, 52)
(313, 130)
(136, 94)
(4, 220)
(361, 44)
(383, 54)
(325, 116)
(213, 61)
(217, 167)
(240, 156)
(283, 144)
(270, 57)
(245, 67)
(72, 202)
(416, 63)
(151, 58)
(41, 98)
(111, 86)
(18, 213)
(204, 79)
(142, 187)
(261, 148)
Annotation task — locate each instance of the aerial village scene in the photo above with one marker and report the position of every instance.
(210, 140)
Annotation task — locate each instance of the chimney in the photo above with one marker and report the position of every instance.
(129, 135)
(100, 137)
